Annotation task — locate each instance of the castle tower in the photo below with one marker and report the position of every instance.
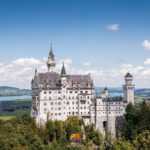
(63, 80)
(63, 76)
(51, 61)
(106, 91)
(128, 89)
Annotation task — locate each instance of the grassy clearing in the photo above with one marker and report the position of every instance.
(17, 112)
(6, 117)
(22, 107)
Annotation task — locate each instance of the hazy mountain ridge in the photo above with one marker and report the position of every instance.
(13, 91)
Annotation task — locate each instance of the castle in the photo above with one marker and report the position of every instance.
(58, 96)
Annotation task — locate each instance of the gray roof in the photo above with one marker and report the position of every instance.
(63, 70)
(105, 88)
(113, 99)
(83, 80)
(128, 75)
(54, 80)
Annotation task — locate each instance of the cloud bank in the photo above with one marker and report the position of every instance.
(20, 72)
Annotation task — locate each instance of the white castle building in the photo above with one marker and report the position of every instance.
(58, 96)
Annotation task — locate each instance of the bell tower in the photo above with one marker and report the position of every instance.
(51, 61)
(128, 89)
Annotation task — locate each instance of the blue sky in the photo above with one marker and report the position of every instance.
(78, 30)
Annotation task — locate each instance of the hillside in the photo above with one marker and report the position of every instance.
(12, 91)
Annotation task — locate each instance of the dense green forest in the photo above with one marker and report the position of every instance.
(22, 133)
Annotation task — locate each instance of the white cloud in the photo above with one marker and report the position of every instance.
(113, 27)
(87, 64)
(19, 72)
(147, 62)
(146, 45)
(26, 62)
(1, 64)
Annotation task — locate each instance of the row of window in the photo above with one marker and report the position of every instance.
(59, 92)
(110, 112)
(68, 103)
(109, 108)
(52, 108)
(110, 103)
(70, 113)
(67, 97)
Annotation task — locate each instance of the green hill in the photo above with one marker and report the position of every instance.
(12, 91)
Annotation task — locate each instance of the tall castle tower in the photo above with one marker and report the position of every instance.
(128, 89)
(51, 61)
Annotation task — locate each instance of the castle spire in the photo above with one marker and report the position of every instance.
(36, 73)
(63, 70)
(51, 55)
(51, 61)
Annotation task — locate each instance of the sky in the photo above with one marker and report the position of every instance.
(106, 38)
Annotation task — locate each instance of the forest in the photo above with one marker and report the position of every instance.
(22, 133)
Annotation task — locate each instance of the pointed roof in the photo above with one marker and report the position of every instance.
(63, 70)
(36, 73)
(128, 75)
(51, 55)
(105, 88)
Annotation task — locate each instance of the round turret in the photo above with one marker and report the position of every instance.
(128, 79)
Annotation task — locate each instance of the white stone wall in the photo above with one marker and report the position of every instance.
(61, 104)
(107, 112)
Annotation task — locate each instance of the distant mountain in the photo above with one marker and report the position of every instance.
(13, 91)
(110, 89)
(138, 92)
(143, 92)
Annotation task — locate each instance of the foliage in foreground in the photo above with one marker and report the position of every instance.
(22, 133)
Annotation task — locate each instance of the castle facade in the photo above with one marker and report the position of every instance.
(59, 96)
